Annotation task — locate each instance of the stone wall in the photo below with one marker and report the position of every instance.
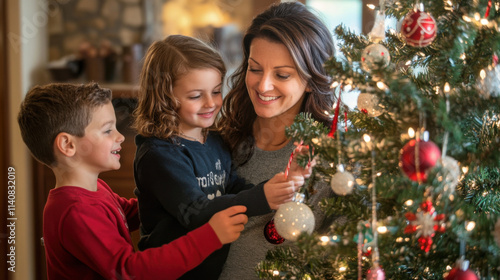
(76, 22)
(101, 31)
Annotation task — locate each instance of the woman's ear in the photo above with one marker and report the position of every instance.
(65, 144)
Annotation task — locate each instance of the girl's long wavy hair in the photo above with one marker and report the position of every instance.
(165, 61)
(310, 44)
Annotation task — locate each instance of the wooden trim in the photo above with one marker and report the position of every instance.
(43, 181)
(4, 128)
(368, 15)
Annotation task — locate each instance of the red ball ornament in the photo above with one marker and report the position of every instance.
(419, 29)
(461, 271)
(458, 274)
(271, 234)
(428, 155)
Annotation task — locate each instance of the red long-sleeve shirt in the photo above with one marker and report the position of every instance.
(87, 236)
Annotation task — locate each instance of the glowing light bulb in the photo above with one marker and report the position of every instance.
(382, 229)
(411, 132)
(446, 87)
(381, 85)
(367, 138)
(470, 226)
(426, 136)
(482, 74)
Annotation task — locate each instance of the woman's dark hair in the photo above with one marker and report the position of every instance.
(310, 44)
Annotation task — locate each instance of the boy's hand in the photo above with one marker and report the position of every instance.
(229, 223)
(279, 190)
(295, 168)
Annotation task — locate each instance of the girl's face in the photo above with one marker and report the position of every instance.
(272, 80)
(200, 97)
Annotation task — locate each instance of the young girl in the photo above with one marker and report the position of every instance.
(182, 169)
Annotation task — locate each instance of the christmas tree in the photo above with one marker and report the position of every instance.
(416, 166)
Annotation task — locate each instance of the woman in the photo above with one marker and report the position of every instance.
(281, 75)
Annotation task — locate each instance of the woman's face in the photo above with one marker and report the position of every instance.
(272, 80)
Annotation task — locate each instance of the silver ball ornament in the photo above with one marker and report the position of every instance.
(369, 103)
(342, 182)
(374, 57)
(488, 84)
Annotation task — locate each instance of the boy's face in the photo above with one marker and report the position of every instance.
(98, 150)
(200, 97)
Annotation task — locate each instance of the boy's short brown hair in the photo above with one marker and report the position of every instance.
(54, 108)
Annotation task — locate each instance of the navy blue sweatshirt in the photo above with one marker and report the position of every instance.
(180, 184)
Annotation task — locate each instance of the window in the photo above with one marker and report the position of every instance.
(336, 12)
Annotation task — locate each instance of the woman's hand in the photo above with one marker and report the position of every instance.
(279, 189)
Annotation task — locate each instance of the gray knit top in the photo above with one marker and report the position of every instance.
(251, 247)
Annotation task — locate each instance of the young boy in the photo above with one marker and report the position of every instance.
(86, 226)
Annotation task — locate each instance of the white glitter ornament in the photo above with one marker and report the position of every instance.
(497, 232)
(488, 83)
(375, 57)
(369, 104)
(293, 218)
(342, 182)
(450, 172)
